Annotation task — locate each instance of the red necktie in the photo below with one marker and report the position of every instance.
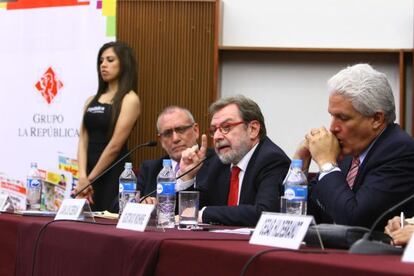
(353, 171)
(234, 187)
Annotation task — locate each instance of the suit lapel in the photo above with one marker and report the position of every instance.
(371, 155)
(225, 186)
(249, 174)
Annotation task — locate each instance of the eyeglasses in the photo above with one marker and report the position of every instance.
(179, 130)
(224, 128)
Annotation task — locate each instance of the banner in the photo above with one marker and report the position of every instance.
(48, 70)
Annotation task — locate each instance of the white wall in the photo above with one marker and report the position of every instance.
(291, 87)
(318, 23)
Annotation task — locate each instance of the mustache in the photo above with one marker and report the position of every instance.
(221, 144)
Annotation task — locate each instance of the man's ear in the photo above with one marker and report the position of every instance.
(196, 129)
(378, 120)
(254, 129)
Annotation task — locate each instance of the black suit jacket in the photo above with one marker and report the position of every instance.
(148, 172)
(260, 188)
(385, 177)
(147, 177)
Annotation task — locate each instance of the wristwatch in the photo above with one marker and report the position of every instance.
(327, 167)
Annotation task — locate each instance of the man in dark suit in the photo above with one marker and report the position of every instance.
(246, 175)
(366, 161)
(177, 131)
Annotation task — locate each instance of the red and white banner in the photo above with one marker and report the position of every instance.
(48, 59)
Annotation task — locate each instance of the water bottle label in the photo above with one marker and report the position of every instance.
(127, 186)
(296, 192)
(33, 183)
(166, 188)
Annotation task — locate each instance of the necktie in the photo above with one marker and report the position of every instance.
(177, 168)
(353, 171)
(234, 187)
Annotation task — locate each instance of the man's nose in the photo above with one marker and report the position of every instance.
(175, 136)
(334, 127)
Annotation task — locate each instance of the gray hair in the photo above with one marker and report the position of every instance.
(171, 109)
(367, 89)
(248, 109)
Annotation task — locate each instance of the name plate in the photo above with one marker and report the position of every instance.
(71, 209)
(280, 230)
(408, 256)
(135, 216)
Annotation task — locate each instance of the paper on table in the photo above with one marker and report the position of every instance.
(409, 220)
(106, 215)
(242, 231)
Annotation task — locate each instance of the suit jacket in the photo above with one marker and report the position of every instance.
(148, 172)
(260, 188)
(385, 178)
(147, 177)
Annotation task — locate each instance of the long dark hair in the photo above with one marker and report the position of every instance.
(127, 79)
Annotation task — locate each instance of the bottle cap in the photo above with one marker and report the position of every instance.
(296, 163)
(128, 165)
(166, 163)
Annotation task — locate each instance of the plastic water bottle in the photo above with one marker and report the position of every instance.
(296, 190)
(127, 187)
(33, 188)
(166, 196)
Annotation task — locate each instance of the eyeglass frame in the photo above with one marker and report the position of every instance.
(168, 133)
(212, 129)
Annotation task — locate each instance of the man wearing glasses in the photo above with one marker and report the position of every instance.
(246, 175)
(177, 131)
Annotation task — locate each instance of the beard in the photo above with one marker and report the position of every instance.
(236, 153)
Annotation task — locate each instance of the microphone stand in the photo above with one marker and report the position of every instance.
(147, 144)
(366, 245)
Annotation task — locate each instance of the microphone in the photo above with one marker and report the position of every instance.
(367, 244)
(178, 177)
(147, 144)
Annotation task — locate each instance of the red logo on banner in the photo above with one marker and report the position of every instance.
(49, 85)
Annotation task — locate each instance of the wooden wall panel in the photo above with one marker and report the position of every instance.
(176, 45)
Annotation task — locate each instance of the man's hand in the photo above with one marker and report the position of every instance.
(393, 225)
(191, 157)
(323, 146)
(303, 153)
(403, 235)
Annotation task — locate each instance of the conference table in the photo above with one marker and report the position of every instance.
(41, 246)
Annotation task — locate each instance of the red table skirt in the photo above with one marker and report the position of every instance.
(74, 248)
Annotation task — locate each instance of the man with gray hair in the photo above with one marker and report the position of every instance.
(366, 161)
(177, 130)
(246, 175)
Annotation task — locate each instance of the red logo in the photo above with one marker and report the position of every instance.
(49, 85)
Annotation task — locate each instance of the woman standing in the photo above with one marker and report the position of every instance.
(108, 120)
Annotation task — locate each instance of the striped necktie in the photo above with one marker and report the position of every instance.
(177, 168)
(353, 171)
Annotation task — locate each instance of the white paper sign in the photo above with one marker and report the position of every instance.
(281, 230)
(135, 216)
(3, 202)
(408, 255)
(70, 209)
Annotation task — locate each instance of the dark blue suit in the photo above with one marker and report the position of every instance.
(147, 177)
(385, 177)
(148, 172)
(260, 188)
